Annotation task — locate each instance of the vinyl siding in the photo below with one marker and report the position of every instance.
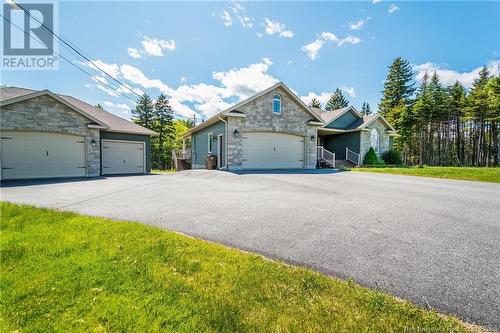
(199, 144)
(130, 137)
(337, 143)
(343, 121)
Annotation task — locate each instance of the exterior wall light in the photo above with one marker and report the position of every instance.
(93, 143)
(313, 137)
(236, 132)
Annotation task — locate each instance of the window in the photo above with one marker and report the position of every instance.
(277, 104)
(210, 142)
(374, 138)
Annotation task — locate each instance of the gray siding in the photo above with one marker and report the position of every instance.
(131, 137)
(343, 121)
(199, 144)
(337, 143)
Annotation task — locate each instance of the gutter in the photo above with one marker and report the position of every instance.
(225, 145)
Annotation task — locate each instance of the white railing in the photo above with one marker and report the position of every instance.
(325, 155)
(177, 155)
(352, 156)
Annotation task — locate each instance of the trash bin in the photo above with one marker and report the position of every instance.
(211, 162)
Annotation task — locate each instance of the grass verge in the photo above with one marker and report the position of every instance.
(462, 173)
(66, 272)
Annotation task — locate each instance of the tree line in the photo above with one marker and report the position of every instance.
(441, 125)
(158, 116)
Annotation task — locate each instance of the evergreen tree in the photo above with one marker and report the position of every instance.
(493, 88)
(478, 111)
(99, 106)
(315, 103)
(336, 101)
(365, 109)
(163, 116)
(398, 91)
(456, 95)
(143, 114)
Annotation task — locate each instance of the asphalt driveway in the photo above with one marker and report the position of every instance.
(433, 241)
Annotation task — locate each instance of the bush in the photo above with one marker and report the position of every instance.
(392, 157)
(371, 158)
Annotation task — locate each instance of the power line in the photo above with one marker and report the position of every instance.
(78, 67)
(69, 61)
(75, 50)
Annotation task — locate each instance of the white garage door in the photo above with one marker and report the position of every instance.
(121, 157)
(265, 150)
(42, 155)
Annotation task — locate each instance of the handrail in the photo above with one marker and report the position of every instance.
(325, 155)
(352, 156)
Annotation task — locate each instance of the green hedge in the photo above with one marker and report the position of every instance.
(371, 158)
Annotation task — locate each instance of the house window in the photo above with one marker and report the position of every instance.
(374, 138)
(277, 104)
(210, 142)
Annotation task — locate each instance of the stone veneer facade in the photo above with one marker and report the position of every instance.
(259, 117)
(365, 140)
(45, 114)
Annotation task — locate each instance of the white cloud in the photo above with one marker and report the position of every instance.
(134, 53)
(245, 21)
(155, 46)
(322, 98)
(392, 8)
(117, 106)
(226, 18)
(448, 77)
(233, 85)
(315, 46)
(107, 90)
(359, 24)
(349, 90)
(111, 69)
(274, 27)
(376, 1)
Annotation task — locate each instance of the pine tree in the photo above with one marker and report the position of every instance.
(456, 95)
(365, 109)
(163, 115)
(477, 110)
(99, 106)
(493, 88)
(336, 101)
(398, 91)
(315, 103)
(143, 114)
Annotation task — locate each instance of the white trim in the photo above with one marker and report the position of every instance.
(209, 142)
(379, 116)
(144, 166)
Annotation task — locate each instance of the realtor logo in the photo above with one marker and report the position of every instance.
(28, 36)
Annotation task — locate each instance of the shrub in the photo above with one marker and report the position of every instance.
(371, 158)
(392, 157)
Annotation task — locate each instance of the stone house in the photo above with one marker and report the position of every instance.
(274, 129)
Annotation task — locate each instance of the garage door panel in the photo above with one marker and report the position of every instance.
(267, 150)
(122, 157)
(42, 155)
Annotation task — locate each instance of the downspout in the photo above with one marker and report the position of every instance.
(225, 144)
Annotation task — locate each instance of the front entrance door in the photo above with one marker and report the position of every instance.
(220, 150)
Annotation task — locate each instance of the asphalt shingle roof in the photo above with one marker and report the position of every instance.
(115, 123)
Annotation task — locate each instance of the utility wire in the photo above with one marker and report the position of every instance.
(75, 50)
(69, 61)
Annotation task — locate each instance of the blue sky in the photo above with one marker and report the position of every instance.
(208, 55)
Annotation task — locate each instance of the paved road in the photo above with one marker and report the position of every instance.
(433, 241)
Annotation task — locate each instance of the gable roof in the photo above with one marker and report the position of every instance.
(359, 124)
(107, 121)
(232, 111)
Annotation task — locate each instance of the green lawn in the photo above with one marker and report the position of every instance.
(478, 174)
(66, 272)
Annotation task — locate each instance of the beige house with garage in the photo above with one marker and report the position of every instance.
(48, 135)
